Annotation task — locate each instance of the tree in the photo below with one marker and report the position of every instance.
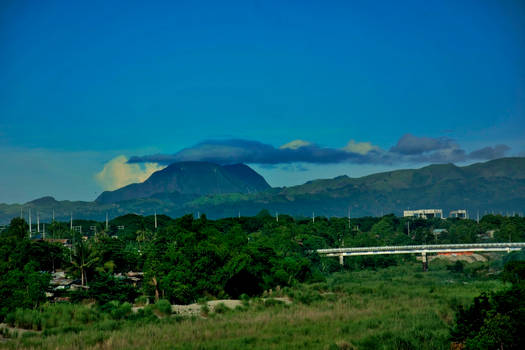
(21, 282)
(83, 258)
(494, 321)
(18, 228)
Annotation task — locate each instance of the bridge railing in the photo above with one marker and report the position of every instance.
(421, 249)
(429, 247)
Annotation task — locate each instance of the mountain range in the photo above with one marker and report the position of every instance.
(230, 190)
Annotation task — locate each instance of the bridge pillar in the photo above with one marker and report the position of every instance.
(341, 260)
(424, 260)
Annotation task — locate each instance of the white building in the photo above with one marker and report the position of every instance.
(460, 214)
(424, 213)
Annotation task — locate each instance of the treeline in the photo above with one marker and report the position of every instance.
(185, 259)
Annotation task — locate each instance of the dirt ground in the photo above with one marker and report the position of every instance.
(195, 309)
(466, 258)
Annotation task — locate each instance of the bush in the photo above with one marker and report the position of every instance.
(205, 309)
(457, 267)
(221, 308)
(105, 288)
(514, 272)
(142, 300)
(163, 306)
(25, 318)
(493, 321)
(305, 296)
(273, 302)
(118, 310)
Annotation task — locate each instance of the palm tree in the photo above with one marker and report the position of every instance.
(143, 235)
(83, 258)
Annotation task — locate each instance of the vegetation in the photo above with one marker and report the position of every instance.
(392, 308)
(494, 186)
(371, 300)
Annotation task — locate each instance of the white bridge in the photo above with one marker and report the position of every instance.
(421, 249)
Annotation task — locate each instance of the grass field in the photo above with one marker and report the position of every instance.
(393, 308)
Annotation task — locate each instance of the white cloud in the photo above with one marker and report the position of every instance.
(359, 147)
(118, 173)
(295, 144)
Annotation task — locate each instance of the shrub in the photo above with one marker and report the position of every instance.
(142, 300)
(205, 309)
(121, 311)
(221, 308)
(25, 318)
(493, 321)
(272, 302)
(163, 306)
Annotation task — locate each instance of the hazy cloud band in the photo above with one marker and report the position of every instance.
(409, 149)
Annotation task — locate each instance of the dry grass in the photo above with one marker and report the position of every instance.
(366, 310)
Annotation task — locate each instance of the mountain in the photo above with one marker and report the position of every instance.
(497, 185)
(191, 178)
(224, 191)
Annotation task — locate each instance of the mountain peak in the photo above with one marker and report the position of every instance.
(43, 201)
(192, 178)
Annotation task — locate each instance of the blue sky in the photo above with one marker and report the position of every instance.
(84, 84)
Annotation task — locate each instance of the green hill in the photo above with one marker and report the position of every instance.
(494, 186)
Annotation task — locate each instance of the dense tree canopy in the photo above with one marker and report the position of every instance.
(185, 259)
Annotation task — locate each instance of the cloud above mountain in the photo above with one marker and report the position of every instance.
(411, 145)
(408, 149)
(118, 173)
(497, 151)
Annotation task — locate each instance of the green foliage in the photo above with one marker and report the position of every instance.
(18, 228)
(514, 272)
(389, 308)
(54, 316)
(141, 300)
(457, 267)
(84, 259)
(22, 283)
(25, 318)
(187, 260)
(495, 320)
(106, 288)
(163, 306)
(118, 310)
(221, 308)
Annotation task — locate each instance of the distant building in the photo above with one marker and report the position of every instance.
(424, 213)
(459, 214)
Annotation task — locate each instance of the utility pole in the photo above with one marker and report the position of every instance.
(53, 215)
(408, 228)
(276, 216)
(107, 223)
(349, 219)
(30, 230)
(37, 221)
(71, 222)
(155, 220)
(313, 217)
